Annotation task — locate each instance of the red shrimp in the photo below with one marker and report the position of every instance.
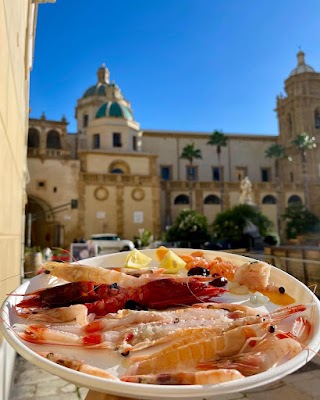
(102, 299)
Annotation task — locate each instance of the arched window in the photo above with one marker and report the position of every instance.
(119, 167)
(289, 124)
(33, 138)
(53, 140)
(181, 199)
(317, 119)
(269, 199)
(294, 199)
(211, 199)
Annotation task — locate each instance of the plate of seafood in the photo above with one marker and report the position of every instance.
(164, 323)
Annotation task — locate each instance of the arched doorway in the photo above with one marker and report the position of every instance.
(39, 224)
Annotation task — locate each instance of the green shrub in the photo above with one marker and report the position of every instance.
(299, 221)
(189, 226)
(231, 224)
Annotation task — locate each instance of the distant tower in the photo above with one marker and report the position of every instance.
(91, 100)
(299, 111)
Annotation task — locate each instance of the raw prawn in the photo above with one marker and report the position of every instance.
(126, 317)
(186, 378)
(77, 312)
(219, 312)
(129, 339)
(229, 342)
(139, 329)
(185, 356)
(300, 330)
(133, 337)
(80, 272)
(102, 299)
(267, 354)
(78, 365)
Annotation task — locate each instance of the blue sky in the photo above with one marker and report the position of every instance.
(195, 65)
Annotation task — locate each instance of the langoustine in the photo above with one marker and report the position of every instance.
(139, 329)
(187, 352)
(267, 354)
(213, 376)
(79, 272)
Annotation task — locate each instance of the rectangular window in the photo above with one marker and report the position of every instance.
(96, 141)
(134, 143)
(291, 177)
(166, 172)
(241, 172)
(41, 184)
(85, 120)
(216, 174)
(192, 173)
(117, 139)
(265, 174)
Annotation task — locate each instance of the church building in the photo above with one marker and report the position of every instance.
(114, 176)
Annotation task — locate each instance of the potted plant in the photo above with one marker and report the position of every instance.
(32, 261)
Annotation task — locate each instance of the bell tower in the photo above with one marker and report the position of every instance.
(298, 111)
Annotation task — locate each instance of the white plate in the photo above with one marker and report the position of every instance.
(102, 358)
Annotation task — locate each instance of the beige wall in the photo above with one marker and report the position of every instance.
(17, 19)
(109, 202)
(242, 151)
(61, 181)
(14, 100)
(100, 163)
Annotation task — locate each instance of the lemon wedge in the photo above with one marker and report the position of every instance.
(136, 259)
(172, 263)
(161, 252)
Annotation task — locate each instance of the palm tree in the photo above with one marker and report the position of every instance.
(278, 152)
(189, 152)
(219, 140)
(305, 142)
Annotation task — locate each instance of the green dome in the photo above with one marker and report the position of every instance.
(114, 109)
(101, 89)
(96, 90)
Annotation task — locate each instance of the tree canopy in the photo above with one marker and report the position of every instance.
(189, 226)
(218, 139)
(190, 152)
(231, 224)
(299, 221)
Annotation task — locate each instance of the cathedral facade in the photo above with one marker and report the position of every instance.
(114, 176)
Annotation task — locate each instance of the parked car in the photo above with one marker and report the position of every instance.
(110, 242)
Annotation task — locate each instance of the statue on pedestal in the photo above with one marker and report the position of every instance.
(246, 192)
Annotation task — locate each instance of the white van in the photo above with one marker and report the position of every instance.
(110, 242)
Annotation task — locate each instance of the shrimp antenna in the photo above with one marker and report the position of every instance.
(66, 252)
(250, 339)
(313, 288)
